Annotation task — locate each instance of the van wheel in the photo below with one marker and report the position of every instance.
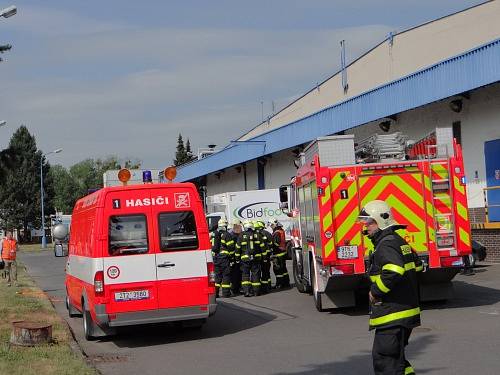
(88, 324)
(316, 294)
(298, 278)
(72, 311)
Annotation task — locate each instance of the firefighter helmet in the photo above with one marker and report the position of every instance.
(222, 223)
(275, 222)
(247, 224)
(378, 211)
(258, 224)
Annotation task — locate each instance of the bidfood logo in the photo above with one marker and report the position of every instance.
(259, 210)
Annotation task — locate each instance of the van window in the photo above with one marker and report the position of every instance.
(128, 235)
(178, 231)
(213, 222)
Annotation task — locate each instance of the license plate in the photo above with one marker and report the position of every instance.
(133, 295)
(347, 252)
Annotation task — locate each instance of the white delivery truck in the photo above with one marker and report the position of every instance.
(263, 205)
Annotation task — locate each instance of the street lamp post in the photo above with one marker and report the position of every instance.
(8, 12)
(44, 239)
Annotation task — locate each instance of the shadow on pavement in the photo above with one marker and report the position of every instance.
(362, 363)
(229, 319)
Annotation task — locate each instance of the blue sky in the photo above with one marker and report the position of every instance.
(126, 77)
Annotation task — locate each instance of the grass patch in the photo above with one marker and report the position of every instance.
(27, 302)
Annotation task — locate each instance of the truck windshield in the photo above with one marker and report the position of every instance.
(178, 231)
(128, 235)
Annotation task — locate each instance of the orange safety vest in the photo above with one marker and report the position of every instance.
(9, 249)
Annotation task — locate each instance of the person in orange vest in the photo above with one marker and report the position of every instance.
(8, 249)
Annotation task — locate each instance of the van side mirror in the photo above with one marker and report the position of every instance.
(284, 194)
(60, 250)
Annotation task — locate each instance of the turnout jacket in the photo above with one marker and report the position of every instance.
(393, 272)
(248, 246)
(223, 244)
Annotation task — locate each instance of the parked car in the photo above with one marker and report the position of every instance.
(478, 252)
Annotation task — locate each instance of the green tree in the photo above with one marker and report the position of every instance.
(189, 153)
(65, 189)
(20, 185)
(181, 154)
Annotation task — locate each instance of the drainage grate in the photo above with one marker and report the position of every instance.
(108, 358)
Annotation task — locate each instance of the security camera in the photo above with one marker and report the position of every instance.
(456, 105)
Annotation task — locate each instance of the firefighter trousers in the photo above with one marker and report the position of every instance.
(280, 271)
(388, 351)
(222, 275)
(250, 276)
(265, 276)
(236, 279)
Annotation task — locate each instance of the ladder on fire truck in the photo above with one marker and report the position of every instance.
(436, 147)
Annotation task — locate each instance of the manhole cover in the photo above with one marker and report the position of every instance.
(421, 329)
(108, 358)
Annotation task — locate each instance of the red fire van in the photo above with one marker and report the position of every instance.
(139, 254)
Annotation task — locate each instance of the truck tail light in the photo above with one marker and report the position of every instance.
(99, 284)
(211, 274)
(452, 262)
(342, 269)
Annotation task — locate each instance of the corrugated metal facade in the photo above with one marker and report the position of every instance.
(468, 71)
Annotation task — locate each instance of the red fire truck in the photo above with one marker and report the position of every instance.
(139, 254)
(423, 183)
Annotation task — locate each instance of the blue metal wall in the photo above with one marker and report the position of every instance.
(492, 161)
(464, 72)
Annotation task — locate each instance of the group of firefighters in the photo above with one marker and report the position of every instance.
(243, 256)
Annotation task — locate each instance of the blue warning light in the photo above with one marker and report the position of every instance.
(146, 177)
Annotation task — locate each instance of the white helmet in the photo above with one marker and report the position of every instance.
(275, 222)
(222, 223)
(378, 211)
(248, 224)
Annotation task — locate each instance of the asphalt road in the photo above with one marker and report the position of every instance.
(282, 333)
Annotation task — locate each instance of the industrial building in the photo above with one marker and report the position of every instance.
(443, 73)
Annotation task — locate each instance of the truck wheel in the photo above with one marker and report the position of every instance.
(88, 324)
(316, 294)
(299, 280)
(72, 311)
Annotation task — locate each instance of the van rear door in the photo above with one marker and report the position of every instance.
(129, 259)
(181, 266)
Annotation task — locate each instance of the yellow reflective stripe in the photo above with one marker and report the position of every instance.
(419, 268)
(255, 284)
(329, 247)
(394, 268)
(245, 257)
(395, 316)
(325, 198)
(460, 188)
(464, 236)
(327, 220)
(281, 254)
(224, 252)
(373, 278)
(440, 170)
(409, 266)
(246, 283)
(409, 370)
(462, 211)
(226, 285)
(381, 285)
(230, 242)
(217, 284)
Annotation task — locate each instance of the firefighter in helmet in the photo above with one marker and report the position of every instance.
(223, 253)
(266, 245)
(394, 301)
(235, 265)
(248, 252)
(279, 255)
